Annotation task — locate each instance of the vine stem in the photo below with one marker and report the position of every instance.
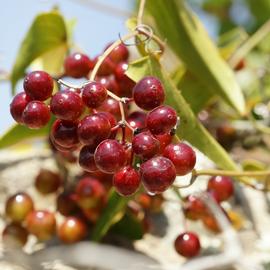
(140, 12)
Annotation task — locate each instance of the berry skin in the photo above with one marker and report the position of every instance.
(145, 145)
(137, 120)
(72, 230)
(93, 129)
(194, 208)
(87, 160)
(77, 65)
(110, 156)
(158, 174)
(148, 93)
(182, 156)
(187, 244)
(64, 133)
(18, 206)
(90, 193)
(161, 120)
(112, 121)
(36, 115)
(94, 94)
(118, 54)
(67, 105)
(38, 85)
(126, 181)
(18, 105)
(222, 185)
(106, 68)
(14, 235)
(47, 181)
(164, 140)
(65, 204)
(112, 106)
(109, 83)
(42, 224)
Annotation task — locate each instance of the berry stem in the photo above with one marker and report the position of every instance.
(140, 12)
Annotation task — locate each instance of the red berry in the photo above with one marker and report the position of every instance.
(36, 115)
(18, 206)
(106, 68)
(112, 121)
(65, 204)
(222, 186)
(42, 224)
(164, 140)
(38, 85)
(47, 181)
(92, 214)
(148, 93)
(187, 244)
(72, 230)
(77, 65)
(161, 120)
(90, 193)
(194, 208)
(109, 83)
(182, 156)
(94, 94)
(118, 54)
(158, 174)
(93, 129)
(112, 106)
(87, 160)
(110, 156)
(62, 149)
(145, 145)
(137, 120)
(126, 181)
(18, 105)
(64, 133)
(67, 105)
(14, 235)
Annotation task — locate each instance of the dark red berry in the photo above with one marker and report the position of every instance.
(161, 120)
(36, 115)
(112, 106)
(14, 235)
(90, 193)
(119, 54)
(110, 156)
(164, 140)
(148, 93)
(126, 181)
(42, 224)
(158, 174)
(106, 68)
(62, 149)
(47, 181)
(18, 105)
(94, 94)
(110, 84)
(137, 120)
(65, 204)
(38, 85)
(187, 244)
(112, 121)
(222, 185)
(182, 156)
(18, 206)
(72, 230)
(145, 145)
(93, 129)
(64, 133)
(67, 105)
(77, 65)
(87, 160)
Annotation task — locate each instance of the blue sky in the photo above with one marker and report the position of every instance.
(93, 31)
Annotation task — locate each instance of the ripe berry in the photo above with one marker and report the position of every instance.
(65, 204)
(62, 149)
(119, 54)
(148, 93)
(194, 208)
(42, 224)
(106, 68)
(38, 85)
(72, 230)
(222, 185)
(77, 65)
(18, 206)
(18, 105)
(151, 203)
(67, 105)
(14, 235)
(110, 156)
(92, 214)
(93, 129)
(182, 156)
(145, 145)
(137, 120)
(164, 140)
(187, 244)
(112, 121)
(158, 173)
(126, 181)
(87, 160)
(94, 94)
(109, 83)
(64, 133)
(112, 106)
(47, 181)
(36, 115)
(161, 120)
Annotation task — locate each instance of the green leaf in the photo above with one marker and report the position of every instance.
(190, 128)
(191, 43)
(113, 212)
(46, 34)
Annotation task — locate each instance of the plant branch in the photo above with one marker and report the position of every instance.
(140, 12)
